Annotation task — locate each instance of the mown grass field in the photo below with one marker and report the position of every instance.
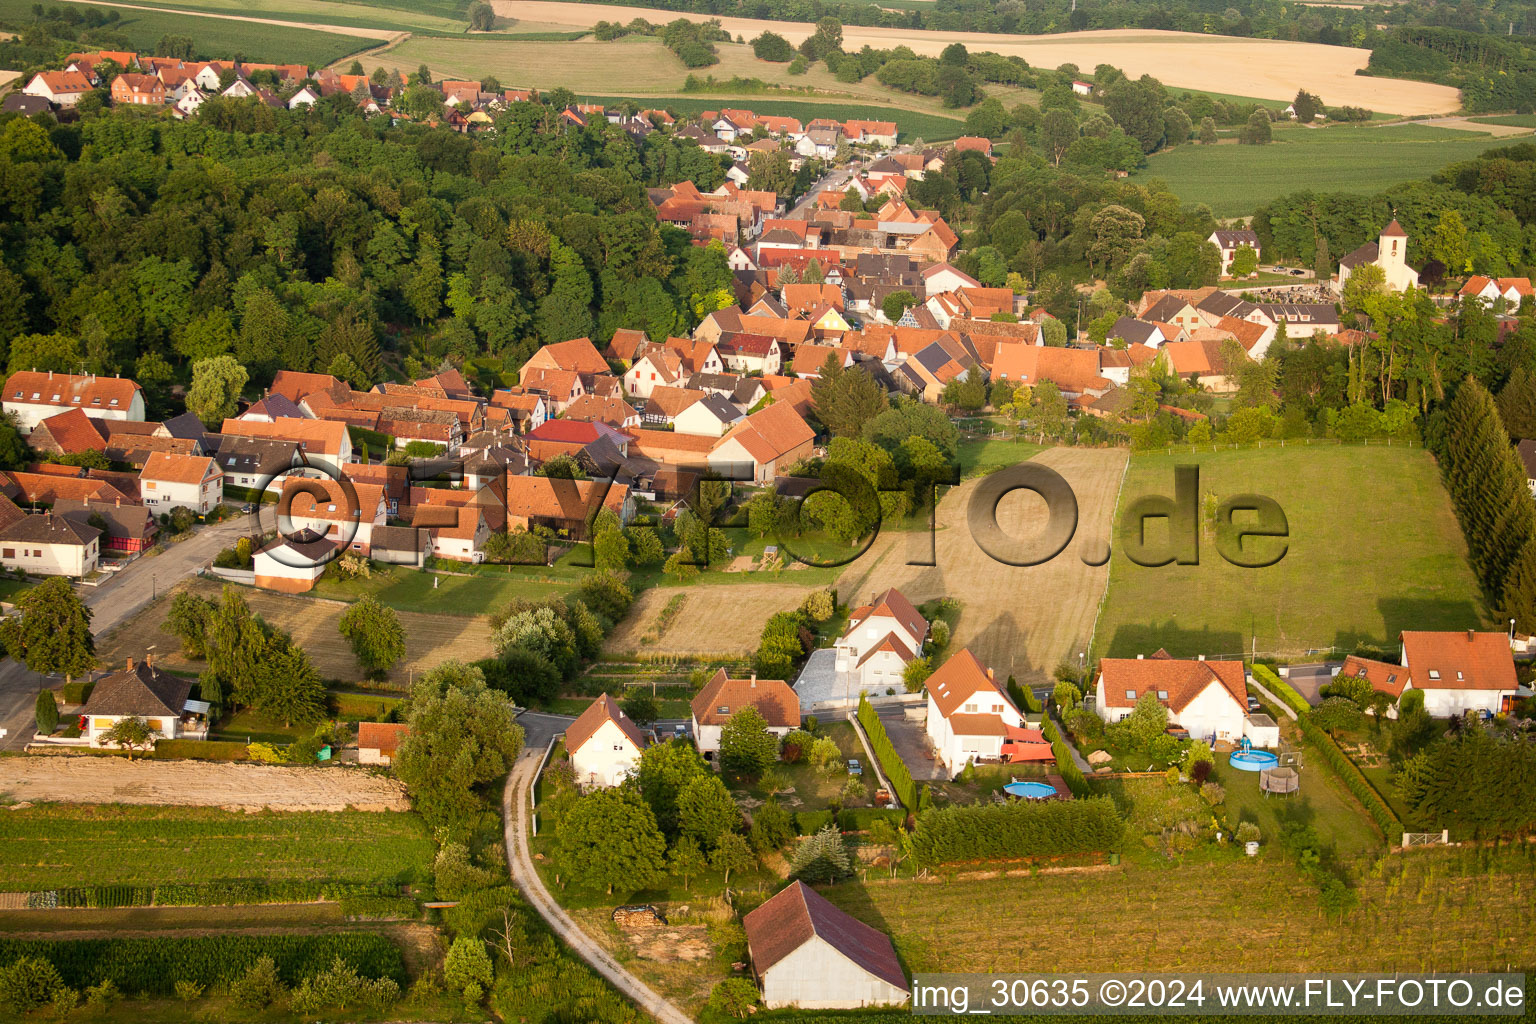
(218, 37)
(1234, 180)
(346, 13)
(1373, 549)
(83, 844)
(1430, 910)
(1512, 120)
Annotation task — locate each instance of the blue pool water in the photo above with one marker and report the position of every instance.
(1030, 790)
(1246, 759)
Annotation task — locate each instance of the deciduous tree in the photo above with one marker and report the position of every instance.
(52, 635)
(375, 633)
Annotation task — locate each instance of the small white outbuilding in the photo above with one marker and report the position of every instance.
(807, 953)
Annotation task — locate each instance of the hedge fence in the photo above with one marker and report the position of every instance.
(1071, 774)
(1355, 780)
(890, 762)
(156, 965)
(1280, 688)
(230, 892)
(1025, 828)
(1024, 698)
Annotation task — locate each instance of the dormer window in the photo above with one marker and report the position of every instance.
(1130, 694)
(1162, 694)
(113, 402)
(723, 709)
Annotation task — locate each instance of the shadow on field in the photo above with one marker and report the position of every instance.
(1133, 639)
(1400, 613)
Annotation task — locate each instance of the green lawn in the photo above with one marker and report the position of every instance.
(362, 707)
(80, 844)
(11, 588)
(249, 727)
(1513, 120)
(982, 455)
(218, 37)
(1373, 549)
(477, 593)
(1234, 180)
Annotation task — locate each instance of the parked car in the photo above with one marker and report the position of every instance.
(1253, 703)
(854, 768)
(247, 509)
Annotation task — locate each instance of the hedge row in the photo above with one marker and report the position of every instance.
(230, 892)
(1280, 688)
(808, 823)
(1071, 774)
(890, 762)
(155, 965)
(1025, 828)
(1024, 698)
(1354, 779)
(858, 819)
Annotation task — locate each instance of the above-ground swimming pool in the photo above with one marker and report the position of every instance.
(1246, 759)
(1030, 790)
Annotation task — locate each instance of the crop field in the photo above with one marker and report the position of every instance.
(429, 638)
(1441, 911)
(79, 845)
(357, 14)
(1358, 569)
(1019, 620)
(1265, 67)
(215, 36)
(1234, 180)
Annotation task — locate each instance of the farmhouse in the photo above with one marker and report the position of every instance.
(1229, 241)
(181, 481)
(140, 691)
(969, 716)
(723, 696)
(882, 638)
(758, 447)
(604, 745)
(809, 954)
(378, 741)
(1208, 698)
(48, 544)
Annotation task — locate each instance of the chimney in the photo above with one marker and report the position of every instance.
(130, 664)
(119, 501)
(1469, 636)
(991, 675)
(1141, 657)
(149, 661)
(1200, 657)
(753, 684)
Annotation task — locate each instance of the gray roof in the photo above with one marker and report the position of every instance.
(130, 521)
(275, 406)
(1302, 312)
(311, 544)
(398, 538)
(257, 456)
(1231, 238)
(718, 407)
(1224, 304)
(47, 528)
(1133, 330)
(187, 427)
(1367, 253)
(141, 690)
(1164, 308)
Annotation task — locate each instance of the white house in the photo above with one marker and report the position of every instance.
(61, 88)
(710, 416)
(1207, 698)
(48, 544)
(345, 515)
(34, 395)
(1389, 252)
(942, 277)
(1082, 88)
(305, 97)
(170, 481)
(293, 563)
(1511, 289)
(969, 715)
(604, 745)
(1229, 241)
(883, 636)
(723, 696)
(139, 691)
(1460, 671)
(809, 954)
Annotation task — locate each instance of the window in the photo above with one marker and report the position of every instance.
(723, 710)
(1130, 694)
(1434, 673)
(1162, 694)
(8, 553)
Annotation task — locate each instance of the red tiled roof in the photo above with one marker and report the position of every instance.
(892, 604)
(1183, 679)
(68, 390)
(73, 431)
(385, 737)
(959, 679)
(773, 698)
(1382, 675)
(771, 432)
(1459, 659)
(177, 469)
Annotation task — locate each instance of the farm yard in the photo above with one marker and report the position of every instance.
(1433, 910)
(1356, 572)
(1267, 68)
(430, 638)
(53, 845)
(86, 779)
(1235, 180)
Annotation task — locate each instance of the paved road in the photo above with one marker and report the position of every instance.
(515, 815)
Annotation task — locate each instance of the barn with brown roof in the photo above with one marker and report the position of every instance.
(809, 954)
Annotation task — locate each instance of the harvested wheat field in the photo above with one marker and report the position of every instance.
(1022, 621)
(429, 639)
(85, 779)
(720, 619)
(1267, 68)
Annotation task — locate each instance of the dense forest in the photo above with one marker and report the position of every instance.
(318, 240)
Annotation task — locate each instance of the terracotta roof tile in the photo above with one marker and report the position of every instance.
(773, 698)
(604, 709)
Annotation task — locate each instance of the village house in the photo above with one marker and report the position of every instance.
(882, 638)
(33, 396)
(1209, 699)
(139, 690)
(138, 90)
(723, 696)
(970, 718)
(68, 433)
(321, 442)
(565, 506)
(710, 416)
(1513, 290)
(47, 543)
(1228, 241)
(60, 88)
(1460, 670)
(763, 445)
(604, 745)
(181, 481)
(250, 462)
(345, 514)
(293, 563)
(808, 954)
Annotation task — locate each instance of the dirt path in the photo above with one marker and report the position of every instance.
(1022, 621)
(1466, 124)
(341, 30)
(515, 816)
(1268, 68)
(87, 779)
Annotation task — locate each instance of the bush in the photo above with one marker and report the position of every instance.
(1248, 832)
(27, 983)
(796, 744)
(1212, 793)
(259, 987)
(467, 968)
(810, 822)
(1071, 774)
(822, 857)
(1265, 677)
(819, 606)
(77, 692)
(1019, 829)
(890, 762)
(342, 987)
